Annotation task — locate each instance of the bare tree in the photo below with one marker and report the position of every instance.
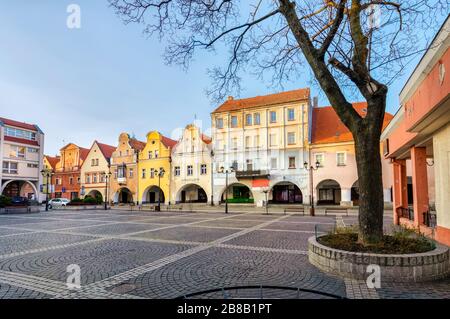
(352, 47)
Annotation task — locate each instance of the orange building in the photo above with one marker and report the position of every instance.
(417, 142)
(67, 171)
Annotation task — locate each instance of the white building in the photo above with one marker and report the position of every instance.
(21, 149)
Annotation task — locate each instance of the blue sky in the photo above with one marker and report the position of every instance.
(92, 83)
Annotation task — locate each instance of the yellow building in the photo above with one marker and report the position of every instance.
(155, 156)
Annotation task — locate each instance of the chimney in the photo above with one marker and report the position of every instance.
(316, 101)
(230, 98)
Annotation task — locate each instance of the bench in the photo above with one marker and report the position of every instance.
(336, 211)
(295, 210)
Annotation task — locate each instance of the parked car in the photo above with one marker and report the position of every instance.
(19, 201)
(58, 202)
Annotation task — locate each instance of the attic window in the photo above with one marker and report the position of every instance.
(153, 142)
(364, 110)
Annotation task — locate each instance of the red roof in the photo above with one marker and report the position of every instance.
(21, 140)
(328, 128)
(136, 144)
(83, 153)
(168, 142)
(206, 139)
(106, 149)
(52, 160)
(284, 97)
(23, 125)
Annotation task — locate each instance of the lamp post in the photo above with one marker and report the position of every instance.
(226, 172)
(160, 174)
(266, 191)
(47, 173)
(212, 177)
(107, 176)
(311, 169)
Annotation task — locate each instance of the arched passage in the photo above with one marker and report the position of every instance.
(286, 193)
(96, 194)
(355, 193)
(15, 188)
(123, 196)
(191, 193)
(328, 192)
(153, 194)
(238, 193)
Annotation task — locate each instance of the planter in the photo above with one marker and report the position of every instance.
(426, 266)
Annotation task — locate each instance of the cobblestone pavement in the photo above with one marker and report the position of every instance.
(125, 254)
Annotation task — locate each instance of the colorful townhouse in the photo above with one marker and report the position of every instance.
(335, 182)
(154, 169)
(67, 171)
(21, 159)
(417, 143)
(191, 177)
(264, 140)
(124, 180)
(95, 171)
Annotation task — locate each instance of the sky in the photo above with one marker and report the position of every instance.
(92, 83)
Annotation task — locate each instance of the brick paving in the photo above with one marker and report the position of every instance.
(125, 254)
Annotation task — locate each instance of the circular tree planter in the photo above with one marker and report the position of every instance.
(427, 266)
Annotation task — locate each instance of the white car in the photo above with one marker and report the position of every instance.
(58, 202)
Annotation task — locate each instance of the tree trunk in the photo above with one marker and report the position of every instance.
(368, 159)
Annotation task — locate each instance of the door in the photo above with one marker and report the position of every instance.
(152, 197)
(183, 196)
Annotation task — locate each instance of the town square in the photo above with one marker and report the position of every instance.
(276, 150)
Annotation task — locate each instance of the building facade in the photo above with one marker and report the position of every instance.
(21, 149)
(95, 171)
(191, 176)
(265, 140)
(417, 142)
(155, 156)
(124, 180)
(335, 182)
(67, 172)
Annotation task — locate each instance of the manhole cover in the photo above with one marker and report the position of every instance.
(123, 289)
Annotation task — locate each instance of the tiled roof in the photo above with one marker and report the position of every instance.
(206, 139)
(18, 124)
(83, 153)
(137, 145)
(21, 140)
(168, 142)
(52, 160)
(328, 128)
(277, 98)
(106, 149)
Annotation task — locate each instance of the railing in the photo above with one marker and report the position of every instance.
(405, 212)
(122, 180)
(429, 219)
(252, 173)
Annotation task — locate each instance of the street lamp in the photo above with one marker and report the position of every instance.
(212, 177)
(311, 169)
(47, 173)
(160, 174)
(107, 176)
(266, 191)
(226, 172)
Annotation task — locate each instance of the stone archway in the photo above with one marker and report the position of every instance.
(152, 195)
(328, 192)
(96, 194)
(238, 194)
(191, 193)
(354, 194)
(286, 193)
(22, 188)
(123, 196)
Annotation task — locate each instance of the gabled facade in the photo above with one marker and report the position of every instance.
(191, 176)
(265, 140)
(67, 172)
(94, 171)
(155, 155)
(21, 159)
(124, 180)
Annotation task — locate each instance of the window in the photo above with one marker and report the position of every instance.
(273, 117)
(203, 169)
(247, 142)
(78, 180)
(71, 180)
(249, 165)
(273, 140)
(17, 151)
(219, 122)
(291, 161)
(15, 132)
(93, 162)
(150, 154)
(9, 168)
(273, 163)
(32, 165)
(190, 170)
(291, 138)
(130, 172)
(248, 119)
(58, 181)
(256, 141)
(33, 150)
(319, 158)
(340, 158)
(257, 119)
(115, 174)
(102, 178)
(291, 115)
(88, 179)
(235, 165)
(156, 154)
(94, 178)
(143, 173)
(152, 173)
(234, 143)
(96, 162)
(177, 171)
(234, 121)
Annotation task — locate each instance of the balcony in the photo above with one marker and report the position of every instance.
(252, 174)
(121, 180)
